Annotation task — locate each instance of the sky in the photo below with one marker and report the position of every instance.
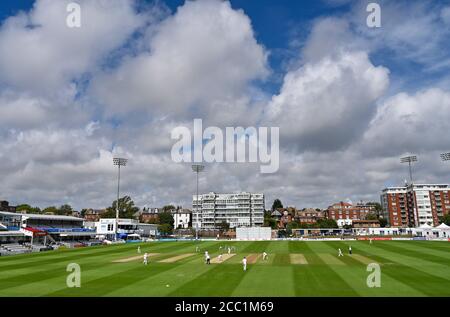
(349, 100)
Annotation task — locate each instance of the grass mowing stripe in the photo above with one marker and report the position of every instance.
(112, 282)
(220, 280)
(417, 254)
(438, 270)
(40, 272)
(317, 278)
(69, 256)
(425, 283)
(445, 255)
(356, 274)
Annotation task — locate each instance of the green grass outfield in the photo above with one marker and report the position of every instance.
(408, 268)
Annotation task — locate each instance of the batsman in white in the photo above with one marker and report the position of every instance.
(145, 258)
(244, 263)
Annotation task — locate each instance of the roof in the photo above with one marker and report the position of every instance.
(443, 226)
(425, 226)
(50, 217)
(10, 213)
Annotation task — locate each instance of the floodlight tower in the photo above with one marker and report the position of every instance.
(117, 161)
(197, 168)
(409, 160)
(445, 156)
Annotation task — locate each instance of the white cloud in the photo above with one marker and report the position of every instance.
(40, 53)
(326, 105)
(411, 123)
(204, 53)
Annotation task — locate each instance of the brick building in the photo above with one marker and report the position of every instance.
(343, 210)
(415, 205)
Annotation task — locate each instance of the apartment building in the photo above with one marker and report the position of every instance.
(415, 205)
(238, 210)
(344, 210)
(395, 210)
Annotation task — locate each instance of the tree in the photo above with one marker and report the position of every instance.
(27, 208)
(270, 222)
(277, 204)
(126, 208)
(383, 222)
(327, 223)
(65, 210)
(371, 216)
(377, 205)
(165, 229)
(292, 225)
(52, 210)
(445, 219)
(166, 218)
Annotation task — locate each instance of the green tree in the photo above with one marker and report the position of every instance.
(277, 204)
(377, 205)
(270, 222)
(126, 208)
(27, 208)
(65, 210)
(165, 229)
(371, 216)
(52, 210)
(166, 218)
(327, 223)
(383, 222)
(445, 219)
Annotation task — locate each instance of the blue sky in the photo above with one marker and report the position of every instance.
(349, 100)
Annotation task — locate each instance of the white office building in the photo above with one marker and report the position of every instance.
(238, 210)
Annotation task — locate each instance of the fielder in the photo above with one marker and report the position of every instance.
(229, 250)
(350, 250)
(139, 249)
(264, 256)
(208, 259)
(340, 252)
(244, 263)
(146, 258)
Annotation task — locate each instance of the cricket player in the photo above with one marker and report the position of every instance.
(220, 257)
(340, 252)
(197, 249)
(229, 250)
(139, 249)
(208, 259)
(206, 256)
(370, 241)
(146, 258)
(264, 255)
(244, 263)
(350, 250)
